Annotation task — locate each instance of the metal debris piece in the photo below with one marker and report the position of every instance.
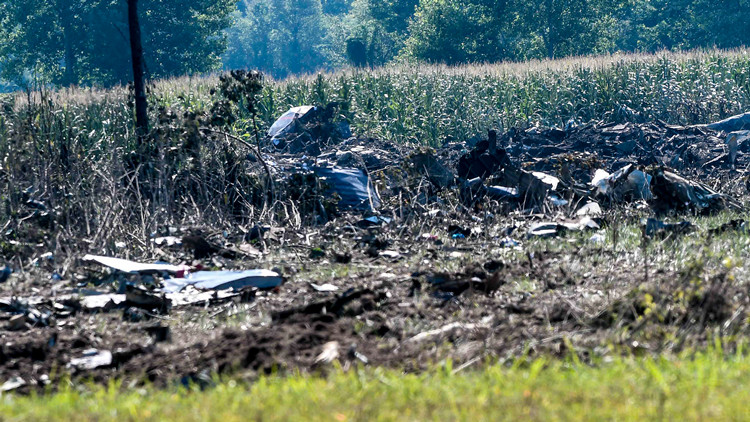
(92, 359)
(352, 185)
(592, 209)
(133, 267)
(732, 124)
(12, 384)
(327, 287)
(221, 280)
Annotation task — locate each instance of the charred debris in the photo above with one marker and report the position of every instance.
(322, 179)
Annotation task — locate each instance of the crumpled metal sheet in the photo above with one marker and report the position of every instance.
(128, 266)
(352, 185)
(222, 280)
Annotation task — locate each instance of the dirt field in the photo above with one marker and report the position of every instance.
(454, 273)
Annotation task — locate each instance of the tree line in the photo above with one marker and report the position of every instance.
(72, 42)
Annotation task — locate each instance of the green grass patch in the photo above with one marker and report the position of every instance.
(704, 386)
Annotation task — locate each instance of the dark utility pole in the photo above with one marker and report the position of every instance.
(141, 117)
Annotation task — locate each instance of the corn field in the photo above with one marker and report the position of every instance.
(429, 104)
(432, 104)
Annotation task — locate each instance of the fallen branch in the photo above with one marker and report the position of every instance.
(256, 151)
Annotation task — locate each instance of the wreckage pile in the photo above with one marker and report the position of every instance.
(606, 164)
(580, 170)
(350, 193)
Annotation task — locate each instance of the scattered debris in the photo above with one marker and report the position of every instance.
(429, 166)
(626, 184)
(545, 230)
(373, 221)
(102, 302)
(287, 123)
(549, 229)
(592, 209)
(142, 298)
(17, 322)
(159, 333)
(307, 128)
(167, 241)
(362, 201)
(673, 192)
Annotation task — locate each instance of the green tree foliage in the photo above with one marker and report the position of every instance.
(452, 31)
(567, 27)
(301, 35)
(279, 37)
(249, 38)
(393, 15)
(86, 42)
(726, 22)
(385, 28)
(336, 7)
(651, 25)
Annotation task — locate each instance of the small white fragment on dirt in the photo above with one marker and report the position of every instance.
(600, 181)
(598, 238)
(250, 249)
(456, 254)
(92, 359)
(94, 302)
(583, 224)
(444, 329)
(592, 209)
(12, 384)
(134, 267)
(328, 287)
(167, 240)
(557, 201)
(387, 276)
(390, 254)
(329, 354)
(546, 178)
(428, 236)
